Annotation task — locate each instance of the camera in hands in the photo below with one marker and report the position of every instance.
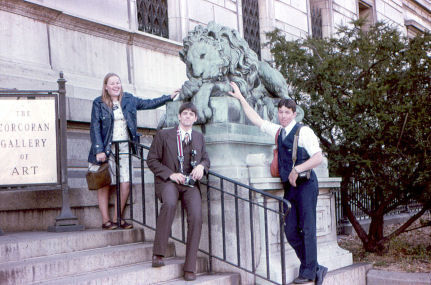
(189, 181)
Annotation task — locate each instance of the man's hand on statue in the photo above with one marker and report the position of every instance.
(101, 157)
(175, 93)
(177, 178)
(197, 172)
(292, 177)
(236, 93)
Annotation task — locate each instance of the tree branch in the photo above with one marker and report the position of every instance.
(402, 130)
(401, 229)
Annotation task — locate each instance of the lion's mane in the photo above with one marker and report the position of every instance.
(240, 62)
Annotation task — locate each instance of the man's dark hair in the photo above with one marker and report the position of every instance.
(288, 103)
(188, 105)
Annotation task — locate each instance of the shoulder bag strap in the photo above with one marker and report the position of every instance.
(276, 138)
(295, 145)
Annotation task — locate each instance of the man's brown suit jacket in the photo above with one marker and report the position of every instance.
(162, 158)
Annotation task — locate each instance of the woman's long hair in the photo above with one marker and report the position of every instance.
(105, 96)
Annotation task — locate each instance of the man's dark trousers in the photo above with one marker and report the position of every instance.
(162, 159)
(191, 201)
(300, 225)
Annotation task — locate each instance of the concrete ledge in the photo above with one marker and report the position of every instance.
(354, 275)
(380, 277)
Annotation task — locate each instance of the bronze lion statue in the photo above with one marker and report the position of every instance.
(215, 55)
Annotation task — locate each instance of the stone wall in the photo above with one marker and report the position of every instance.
(59, 36)
(406, 15)
(87, 39)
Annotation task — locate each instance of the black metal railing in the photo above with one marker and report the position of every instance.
(356, 198)
(233, 212)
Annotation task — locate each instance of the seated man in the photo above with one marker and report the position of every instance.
(178, 158)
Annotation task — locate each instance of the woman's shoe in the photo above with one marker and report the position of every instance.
(109, 226)
(125, 225)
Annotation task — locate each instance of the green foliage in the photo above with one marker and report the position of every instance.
(367, 96)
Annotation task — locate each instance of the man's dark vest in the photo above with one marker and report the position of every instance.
(285, 154)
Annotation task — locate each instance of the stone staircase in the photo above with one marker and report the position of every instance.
(93, 257)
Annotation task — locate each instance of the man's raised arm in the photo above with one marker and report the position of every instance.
(251, 114)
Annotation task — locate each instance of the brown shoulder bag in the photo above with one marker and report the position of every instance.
(274, 162)
(99, 178)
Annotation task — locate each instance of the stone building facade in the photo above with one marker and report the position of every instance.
(140, 41)
(410, 17)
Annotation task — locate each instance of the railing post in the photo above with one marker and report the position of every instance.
(281, 209)
(210, 250)
(141, 154)
(250, 197)
(265, 217)
(344, 221)
(135, 147)
(117, 184)
(67, 221)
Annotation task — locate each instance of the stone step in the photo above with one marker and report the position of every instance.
(24, 245)
(140, 273)
(66, 264)
(354, 274)
(208, 279)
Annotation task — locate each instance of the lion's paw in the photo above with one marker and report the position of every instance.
(208, 113)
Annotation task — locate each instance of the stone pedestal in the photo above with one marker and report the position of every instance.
(242, 152)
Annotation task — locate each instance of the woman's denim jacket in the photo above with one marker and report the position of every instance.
(102, 121)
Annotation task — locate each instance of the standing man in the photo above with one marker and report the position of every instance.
(300, 226)
(178, 159)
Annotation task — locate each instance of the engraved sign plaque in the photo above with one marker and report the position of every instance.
(28, 140)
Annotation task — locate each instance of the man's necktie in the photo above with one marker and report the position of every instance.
(283, 133)
(186, 138)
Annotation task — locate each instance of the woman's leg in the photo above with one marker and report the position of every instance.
(103, 198)
(124, 194)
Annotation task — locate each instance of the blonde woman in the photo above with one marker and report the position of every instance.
(113, 118)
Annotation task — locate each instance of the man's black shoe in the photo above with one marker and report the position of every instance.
(301, 280)
(320, 274)
(189, 276)
(157, 261)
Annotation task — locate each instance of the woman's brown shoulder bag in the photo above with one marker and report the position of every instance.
(99, 178)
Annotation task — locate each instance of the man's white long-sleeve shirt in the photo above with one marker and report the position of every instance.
(307, 138)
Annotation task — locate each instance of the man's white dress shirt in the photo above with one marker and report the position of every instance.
(307, 138)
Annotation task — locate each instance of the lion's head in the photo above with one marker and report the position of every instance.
(214, 56)
(218, 53)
